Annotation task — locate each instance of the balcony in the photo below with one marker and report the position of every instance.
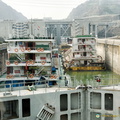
(28, 63)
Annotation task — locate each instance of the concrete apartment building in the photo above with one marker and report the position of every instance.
(20, 30)
(6, 28)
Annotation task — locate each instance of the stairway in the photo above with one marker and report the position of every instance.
(18, 57)
(40, 69)
(46, 113)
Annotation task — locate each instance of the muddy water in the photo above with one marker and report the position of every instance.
(88, 77)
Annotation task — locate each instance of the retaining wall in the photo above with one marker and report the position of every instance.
(109, 49)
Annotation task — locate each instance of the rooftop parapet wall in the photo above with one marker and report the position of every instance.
(109, 49)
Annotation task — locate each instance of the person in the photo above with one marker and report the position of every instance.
(66, 82)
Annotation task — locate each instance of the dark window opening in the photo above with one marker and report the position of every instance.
(85, 62)
(64, 117)
(63, 102)
(9, 110)
(31, 45)
(83, 40)
(109, 101)
(84, 53)
(9, 70)
(25, 107)
(30, 56)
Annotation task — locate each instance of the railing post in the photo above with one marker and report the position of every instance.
(19, 89)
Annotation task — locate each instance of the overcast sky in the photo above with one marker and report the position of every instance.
(57, 9)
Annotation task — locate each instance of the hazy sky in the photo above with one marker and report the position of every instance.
(57, 9)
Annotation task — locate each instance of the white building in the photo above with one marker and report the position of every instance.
(20, 30)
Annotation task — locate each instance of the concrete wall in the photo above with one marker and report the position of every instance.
(3, 57)
(109, 49)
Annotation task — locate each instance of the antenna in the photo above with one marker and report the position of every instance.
(31, 27)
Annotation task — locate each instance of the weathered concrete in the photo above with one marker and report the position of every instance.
(109, 49)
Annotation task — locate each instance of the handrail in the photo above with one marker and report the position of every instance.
(86, 57)
(23, 48)
(31, 38)
(29, 76)
(28, 62)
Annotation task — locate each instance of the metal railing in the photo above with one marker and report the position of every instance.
(30, 76)
(28, 62)
(28, 49)
(86, 57)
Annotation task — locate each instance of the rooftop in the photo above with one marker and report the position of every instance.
(31, 39)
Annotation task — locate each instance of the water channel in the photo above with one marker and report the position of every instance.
(88, 77)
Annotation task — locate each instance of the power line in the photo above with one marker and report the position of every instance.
(44, 2)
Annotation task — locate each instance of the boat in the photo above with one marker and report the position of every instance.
(35, 87)
(33, 60)
(82, 56)
(32, 64)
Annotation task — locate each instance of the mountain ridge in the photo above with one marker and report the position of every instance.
(95, 7)
(8, 13)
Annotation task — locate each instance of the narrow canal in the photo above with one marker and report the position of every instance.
(88, 77)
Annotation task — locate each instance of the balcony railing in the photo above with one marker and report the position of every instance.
(85, 57)
(28, 49)
(84, 50)
(27, 62)
(30, 38)
(32, 76)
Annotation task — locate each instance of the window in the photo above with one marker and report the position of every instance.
(109, 101)
(43, 58)
(25, 107)
(9, 110)
(63, 102)
(17, 71)
(76, 116)
(75, 101)
(64, 117)
(95, 100)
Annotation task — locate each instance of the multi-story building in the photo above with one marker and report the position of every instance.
(3, 56)
(20, 30)
(60, 30)
(6, 28)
